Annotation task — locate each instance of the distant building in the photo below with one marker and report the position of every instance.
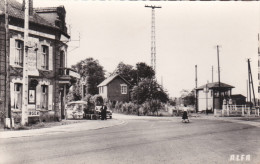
(238, 99)
(49, 78)
(208, 95)
(115, 88)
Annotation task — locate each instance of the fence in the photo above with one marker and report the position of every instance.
(237, 110)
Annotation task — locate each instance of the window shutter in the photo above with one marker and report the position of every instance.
(50, 87)
(12, 94)
(38, 97)
(12, 51)
(39, 59)
(50, 58)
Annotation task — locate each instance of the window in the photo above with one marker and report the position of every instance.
(62, 59)
(45, 57)
(17, 96)
(18, 56)
(123, 89)
(44, 97)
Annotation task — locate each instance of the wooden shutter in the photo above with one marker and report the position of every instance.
(51, 58)
(12, 94)
(12, 51)
(50, 95)
(38, 97)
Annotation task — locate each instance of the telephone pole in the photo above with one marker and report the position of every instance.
(153, 45)
(25, 65)
(250, 84)
(212, 75)
(196, 85)
(219, 92)
(7, 68)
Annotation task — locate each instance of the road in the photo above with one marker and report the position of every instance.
(148, 141)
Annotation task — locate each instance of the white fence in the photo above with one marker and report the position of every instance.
(237, 110)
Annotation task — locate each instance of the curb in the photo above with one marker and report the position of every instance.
(70, 128)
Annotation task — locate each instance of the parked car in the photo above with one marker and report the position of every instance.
(75, 109)
(98, 110)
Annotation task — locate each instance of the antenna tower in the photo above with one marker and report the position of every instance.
(153, 45)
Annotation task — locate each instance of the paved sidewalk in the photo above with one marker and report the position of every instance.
(87, 125)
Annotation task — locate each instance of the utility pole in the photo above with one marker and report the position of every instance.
(25, 65)
(219, 92)
(212, 74)
(153, 45)
(250, 82)
(247, 90)
(7, 68)
(196, 85)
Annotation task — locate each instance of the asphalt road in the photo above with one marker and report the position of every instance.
(149, 141)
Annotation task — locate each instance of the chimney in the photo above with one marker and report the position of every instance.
(30, 7)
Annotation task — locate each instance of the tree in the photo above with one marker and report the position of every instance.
(144, 71)
(127, 72)
(188, 97)
(148, 89)
(91, 72)
(131, 74)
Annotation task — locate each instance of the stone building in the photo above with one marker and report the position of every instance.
(49, 77)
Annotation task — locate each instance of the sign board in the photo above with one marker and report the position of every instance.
(34, 113)
(32, 62)
(31, 96)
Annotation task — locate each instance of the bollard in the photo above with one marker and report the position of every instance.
(227, 110)
(248, 111)
(215, 112)
(243, 111)
(258, 112)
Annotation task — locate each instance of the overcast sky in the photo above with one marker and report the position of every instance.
(186, 35)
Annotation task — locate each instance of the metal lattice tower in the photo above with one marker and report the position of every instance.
(153, 41)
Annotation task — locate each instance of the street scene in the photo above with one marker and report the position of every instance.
(133, 139)
(129, 82)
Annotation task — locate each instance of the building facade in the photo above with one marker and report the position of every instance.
(115, 88)
(208, 96)
(48, 77)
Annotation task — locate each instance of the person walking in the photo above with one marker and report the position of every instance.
(103, 112)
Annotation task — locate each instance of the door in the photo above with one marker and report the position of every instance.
(62, 106)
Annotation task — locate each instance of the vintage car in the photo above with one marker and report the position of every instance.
(98, 110)
(75, 109)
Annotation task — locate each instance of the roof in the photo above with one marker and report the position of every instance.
(111, 78)
(15, 9)
(215, 85)
(238, 96)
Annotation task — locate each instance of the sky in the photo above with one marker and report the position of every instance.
(187, 34)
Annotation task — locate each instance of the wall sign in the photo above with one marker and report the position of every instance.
(31, 97)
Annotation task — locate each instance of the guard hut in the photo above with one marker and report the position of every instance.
(208, 96)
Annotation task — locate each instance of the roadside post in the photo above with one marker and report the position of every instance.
(206, 90)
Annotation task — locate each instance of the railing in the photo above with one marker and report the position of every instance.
(237, 110)
(68, 72)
